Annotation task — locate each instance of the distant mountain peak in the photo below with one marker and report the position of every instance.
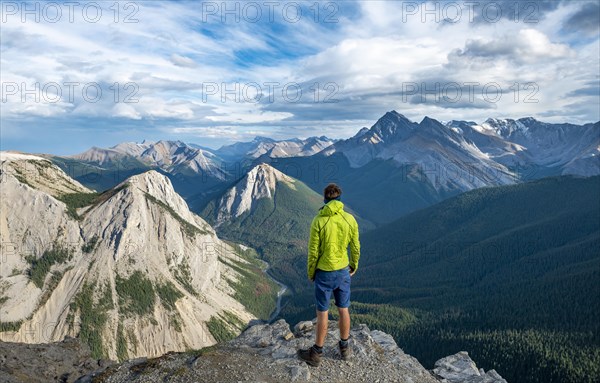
(150, 177)
(429, 120)
(508, 127)
(395, 114)
(362, 132)
(268, 147)
(392, 124)
(170, 143)
(459, 123)
(260, 182)
(266, 175)
(390, 119)
(528, 120)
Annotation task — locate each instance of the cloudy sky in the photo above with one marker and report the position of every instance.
(211, 73)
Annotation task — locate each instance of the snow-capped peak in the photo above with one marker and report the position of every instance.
(506, 127)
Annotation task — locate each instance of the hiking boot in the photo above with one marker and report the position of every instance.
(345, 352)
(310, 356)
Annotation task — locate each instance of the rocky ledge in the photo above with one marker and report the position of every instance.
(263, 353)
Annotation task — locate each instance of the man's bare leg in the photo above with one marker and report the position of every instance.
(344, 323)
(322, 322)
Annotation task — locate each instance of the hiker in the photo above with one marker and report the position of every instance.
(331, 231)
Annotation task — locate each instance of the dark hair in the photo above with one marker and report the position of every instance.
(332, 191)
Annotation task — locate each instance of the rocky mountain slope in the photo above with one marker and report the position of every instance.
(535, 148)
(130, 271)
(265, 353)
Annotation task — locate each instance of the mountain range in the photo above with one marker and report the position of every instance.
(456, 155)
(264, 146)
(197, 173)
(394, 167)
(130, 248)
(399, 166)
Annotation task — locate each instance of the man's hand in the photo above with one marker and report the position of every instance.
(352, 271)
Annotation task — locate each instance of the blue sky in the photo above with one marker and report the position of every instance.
(213, 73)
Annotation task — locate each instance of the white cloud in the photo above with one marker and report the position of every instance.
(528, 46)
(183, 61)
(125, 111)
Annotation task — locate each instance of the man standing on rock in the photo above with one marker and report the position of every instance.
(331, 231)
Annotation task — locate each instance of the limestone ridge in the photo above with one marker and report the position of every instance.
(132, 271)
(39, 173)
(267, 353)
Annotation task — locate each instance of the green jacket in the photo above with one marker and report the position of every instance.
(331, 231)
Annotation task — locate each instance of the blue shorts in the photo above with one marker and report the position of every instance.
(336, 282)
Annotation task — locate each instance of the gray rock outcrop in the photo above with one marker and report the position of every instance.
(267, 353)
(459, 368)
(262, 353)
